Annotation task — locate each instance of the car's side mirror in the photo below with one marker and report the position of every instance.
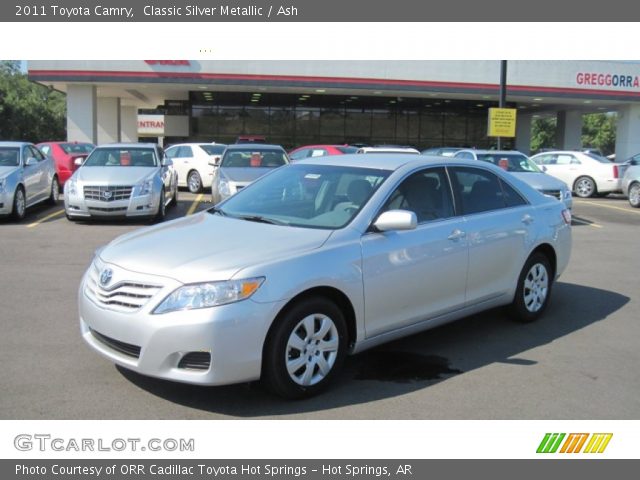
(396, 220)
(30, 162)
(544, 169)
(633, 162)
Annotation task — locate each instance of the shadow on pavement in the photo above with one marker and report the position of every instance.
(410, 364)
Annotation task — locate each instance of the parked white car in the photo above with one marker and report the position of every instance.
(586, 174)
(27, 177)
(193, 162)
(388, 149)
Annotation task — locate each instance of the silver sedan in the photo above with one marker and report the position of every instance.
(631, 183)
(320, 259)
(122, 180)
(27, 177)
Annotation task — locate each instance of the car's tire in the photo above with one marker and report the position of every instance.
(162, 209)
(194, 182)
(585, 187)
(533, 290)
(19, 210)
(54, 195)
(174, 198)
(305, 349)
(634, 195)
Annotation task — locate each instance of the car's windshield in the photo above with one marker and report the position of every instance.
(9, 156)
(77, 147)
(598, 158)
(121, 157)
(303, 195)
(254, 157)
(213, 149)
(511, 162)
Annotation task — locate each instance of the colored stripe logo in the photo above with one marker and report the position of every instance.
(574, 443)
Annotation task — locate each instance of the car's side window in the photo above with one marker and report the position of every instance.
(546, 159)
(511, 197)
(426, 193)
(478, 190)
(46, 149)
(565, 159)
(464, 155)
(35, 153)
(26, 153)
(184, 152)
(319, 152)
(172, 152)
(300, 154)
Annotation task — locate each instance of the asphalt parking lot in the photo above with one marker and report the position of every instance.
(580, 361)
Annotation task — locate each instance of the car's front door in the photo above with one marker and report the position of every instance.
(413, 275)
(32, 175)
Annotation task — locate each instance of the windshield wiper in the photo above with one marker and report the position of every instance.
(260, 219)
(217, 210)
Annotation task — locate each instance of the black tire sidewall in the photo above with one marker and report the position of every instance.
(53, 200)
(15, 212)
(274, 372)
(518, 309)
(161, 209)
(635, 185)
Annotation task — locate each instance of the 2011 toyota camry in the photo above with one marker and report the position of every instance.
(319, 259)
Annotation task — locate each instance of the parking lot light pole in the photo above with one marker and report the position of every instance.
(503, 92)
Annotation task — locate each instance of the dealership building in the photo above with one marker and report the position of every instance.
(420, 103)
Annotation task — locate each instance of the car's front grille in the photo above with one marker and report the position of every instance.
(108, 210)
(196, 361)
(553, 193)
(107, 193)
(123, 296)
(120, 347)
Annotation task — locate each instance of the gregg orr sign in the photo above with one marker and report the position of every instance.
(607, 80)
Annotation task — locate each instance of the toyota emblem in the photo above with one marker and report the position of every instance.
(105, 276)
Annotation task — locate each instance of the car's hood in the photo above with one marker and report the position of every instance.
(113, 175)
(540, 181)
(6, 171)
(244, 175)
(205, 247)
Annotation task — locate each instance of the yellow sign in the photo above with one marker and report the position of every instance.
(502, 122)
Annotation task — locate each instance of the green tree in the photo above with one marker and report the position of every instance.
(599, 131)
(29, 111)
(543, 133)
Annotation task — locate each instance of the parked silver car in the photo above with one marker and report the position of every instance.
(27, 177)
(241, 164)
(122, 180)
(631, 182)
(319, 259)
(521, 166)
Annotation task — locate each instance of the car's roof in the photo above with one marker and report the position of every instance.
(189, 144)
(560, 151)
(64, 142)
(321, 145)
(128, 145)
(383, 161)
(492, 152)
(257, 146)
(14, 144)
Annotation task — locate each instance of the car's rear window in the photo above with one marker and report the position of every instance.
(254, 157)
(213, 149)
(77, 147)
(347, 149)
(598, 158)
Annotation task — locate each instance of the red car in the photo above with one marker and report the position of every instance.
(307, 151)
(64, 155)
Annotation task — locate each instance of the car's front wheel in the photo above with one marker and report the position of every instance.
(162, 209)
(533, 290)
(19, 204)
(305, 349)
(634, 195)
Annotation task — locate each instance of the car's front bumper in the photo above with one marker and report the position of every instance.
(77, 206)
(233, 335)
(6, 203)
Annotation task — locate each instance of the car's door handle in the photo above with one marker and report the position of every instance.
(527, 219)
(457, 234)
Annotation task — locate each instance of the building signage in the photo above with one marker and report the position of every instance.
(590, 79)
(151, 125)
(502, 122)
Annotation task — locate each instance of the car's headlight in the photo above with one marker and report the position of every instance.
(71, 187)
(144, 188)
(3, 182)
(223, 188)
(210, 294)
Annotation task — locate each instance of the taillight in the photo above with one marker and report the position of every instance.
(615, 171)
(566, 216)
